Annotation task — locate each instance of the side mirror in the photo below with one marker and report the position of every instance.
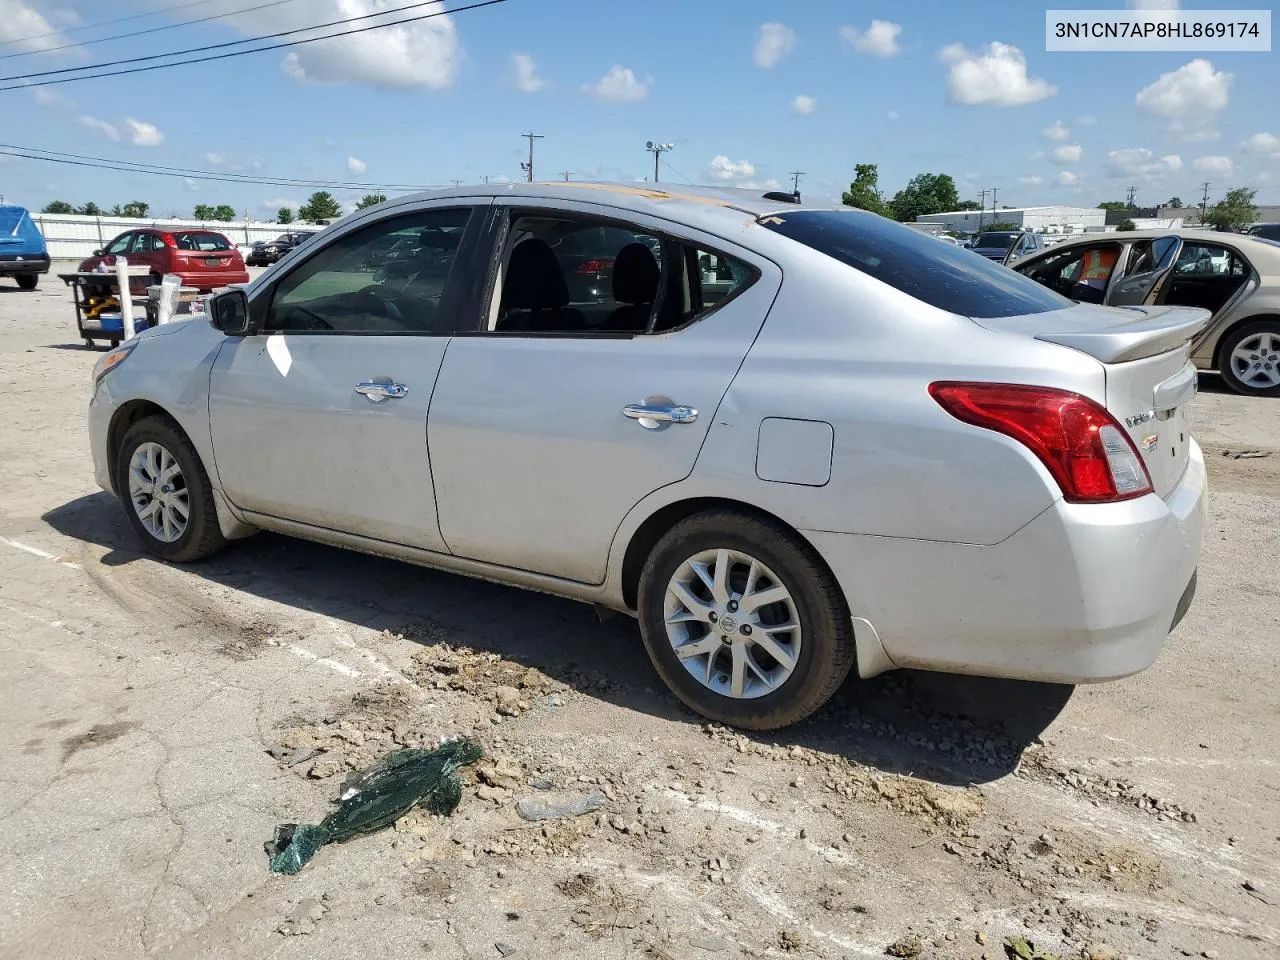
(99, 253)
(229, 312)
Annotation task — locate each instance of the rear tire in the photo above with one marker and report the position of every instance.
(158, 476)
(1249, 359)
(725, 638)
(27, 281)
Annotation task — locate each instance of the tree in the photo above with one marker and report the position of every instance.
(1235, 211)
(1125, 225)
(1114, 205)
(925, 193)
(864, 192)
(202, 212)
(968, 205)
(89, 209)
(370, 199)
(1001, 226)
(284, 215)
(58, 206)
(1174, 202)
(136, 208)
(320, 206)
(224, 212)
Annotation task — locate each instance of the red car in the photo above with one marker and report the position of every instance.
(203, 259)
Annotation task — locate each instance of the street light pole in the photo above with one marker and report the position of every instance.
(657, 149)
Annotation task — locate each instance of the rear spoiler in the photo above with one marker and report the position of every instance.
(1160, 329)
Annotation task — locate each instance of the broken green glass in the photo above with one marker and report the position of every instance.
(378, 798)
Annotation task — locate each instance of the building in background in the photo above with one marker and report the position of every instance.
(1059, 220)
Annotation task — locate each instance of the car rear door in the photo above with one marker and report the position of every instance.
(320, 417)
(1147, 269)
(542, 440)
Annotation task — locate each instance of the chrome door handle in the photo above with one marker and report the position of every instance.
(656, 413)
(377, 391)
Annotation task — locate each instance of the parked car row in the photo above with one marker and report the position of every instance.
(757, 426)
(267, 252)
(202, 258)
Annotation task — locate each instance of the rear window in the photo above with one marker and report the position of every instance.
(10, 217)
(1266, 231)
(943, 276)
(997, 241)
(191, 240)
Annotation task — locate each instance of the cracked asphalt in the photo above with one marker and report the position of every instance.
(139, 703)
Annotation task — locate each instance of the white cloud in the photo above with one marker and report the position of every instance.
(1088, 120)
(1067, 178)
(214, 159)
(1139, 163)
(1217, 165)
(189, 184)
(1189, 98)
(526, 73)
(143, 134)
(721, 167)
(1267, 144)
(1067, 153)
(771, 184)
(1056, 131)
(51, 99)
(894, 115)
(995, 75)
(619, 85)
(276, 204)
(1032, 181)
(26, 28)
(804, 105)
(356, 167)
(422, 54)
(880, 39)
(774, 41)
(107, 129)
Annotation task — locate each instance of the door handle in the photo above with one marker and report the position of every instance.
(652, 414)
(378, 391)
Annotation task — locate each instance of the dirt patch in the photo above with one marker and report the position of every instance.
(98, 735)
(1249, 470)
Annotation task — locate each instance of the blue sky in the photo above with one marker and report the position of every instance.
(746, 91)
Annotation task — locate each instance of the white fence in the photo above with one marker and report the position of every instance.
(71, 236)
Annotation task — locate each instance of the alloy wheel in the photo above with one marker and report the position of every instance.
(158, 492)
(1256, 360)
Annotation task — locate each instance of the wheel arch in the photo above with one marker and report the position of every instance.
(1236, 325)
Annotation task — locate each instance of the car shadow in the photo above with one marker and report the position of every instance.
(948, 729)
(1213, 383)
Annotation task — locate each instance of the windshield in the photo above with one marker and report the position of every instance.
(943, 276)
(999, 241)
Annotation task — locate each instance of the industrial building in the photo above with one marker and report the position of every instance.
(1040, 219)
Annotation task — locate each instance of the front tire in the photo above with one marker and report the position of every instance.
(27, 281)
(166, 493)
(743, 621)
(1249, 359)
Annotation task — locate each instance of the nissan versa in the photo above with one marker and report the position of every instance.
(790, 440)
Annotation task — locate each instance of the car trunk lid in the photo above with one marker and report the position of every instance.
(1150, 380)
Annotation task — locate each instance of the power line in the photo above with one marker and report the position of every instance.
(680, 175)
(139, 33)
(126, 166)
(105, 23)
(241, 53)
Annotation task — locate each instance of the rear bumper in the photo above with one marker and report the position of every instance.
(10, 266)
(1081, 594)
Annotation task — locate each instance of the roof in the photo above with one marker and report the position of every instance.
(639, 197)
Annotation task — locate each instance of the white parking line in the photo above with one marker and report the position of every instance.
(37, 552)
(306, 654)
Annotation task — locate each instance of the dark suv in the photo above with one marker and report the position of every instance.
(1006, 246)
(265, 253)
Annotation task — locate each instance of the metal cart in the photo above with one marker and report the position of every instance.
(89, 288)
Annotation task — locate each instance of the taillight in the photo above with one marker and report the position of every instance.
(599, 265)
(1080, 443)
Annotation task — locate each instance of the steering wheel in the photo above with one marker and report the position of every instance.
(385, 302)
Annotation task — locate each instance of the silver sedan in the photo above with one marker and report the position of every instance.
(791, 441)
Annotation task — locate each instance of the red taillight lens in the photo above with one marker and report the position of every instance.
(598, 265)
(1087, 451)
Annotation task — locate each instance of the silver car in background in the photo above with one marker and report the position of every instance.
(790, 440)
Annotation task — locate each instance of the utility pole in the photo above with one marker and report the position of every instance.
(795, 176)
(1132, 190)
(566, 174)
(485, 178)
(528, 167)
(994, 193)
(657, 149)
(1204, 201)
(456, 183)
(982, 206)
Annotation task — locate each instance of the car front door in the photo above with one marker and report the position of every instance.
(119, 246)
(572, 403)
(1147, 269)
(320, 416)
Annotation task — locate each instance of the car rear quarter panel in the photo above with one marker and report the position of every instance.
(841, 348)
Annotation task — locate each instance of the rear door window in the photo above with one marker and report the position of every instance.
(938, 274)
